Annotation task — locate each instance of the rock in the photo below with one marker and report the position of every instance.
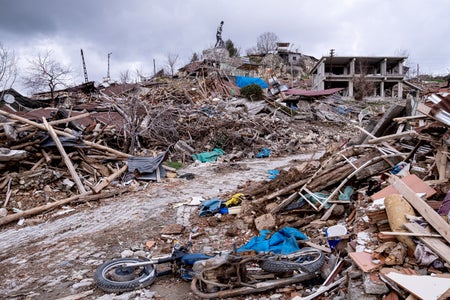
(338, 211)
(140, 253)
(373, 284)
(248, 219)
(3, 212)
(150, 244)
(266, 221)
(83, 283)
(356, 292)
(173, 229)
(126, 253)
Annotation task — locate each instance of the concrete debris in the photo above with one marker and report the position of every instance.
(379, 171)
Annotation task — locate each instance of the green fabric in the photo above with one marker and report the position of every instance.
(208, 156)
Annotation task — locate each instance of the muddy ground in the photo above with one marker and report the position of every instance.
(56, 256)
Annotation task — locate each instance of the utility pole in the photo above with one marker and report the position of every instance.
(109, 57)
(86, 80)
(331, 66)
(331, 60)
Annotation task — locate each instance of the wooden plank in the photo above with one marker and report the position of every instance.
(400, 128)
(328, 213)
(424, 287)
(430, 215)
(393, 112)
(433, 243)
(63, 133)
(52, 205)
(66, 158)
(320, 247)
(410, 234)
(402, 119)
(280, 192)
(391, 136)
(441, 162)
(109, 179)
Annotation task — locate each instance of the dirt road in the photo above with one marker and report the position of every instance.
(57, 258)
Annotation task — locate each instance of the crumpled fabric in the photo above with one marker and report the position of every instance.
(209, 207)
(283, 241)
(424, 256)
(234, 200)
(208, 156)
(444, 209)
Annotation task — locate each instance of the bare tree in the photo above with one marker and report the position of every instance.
(362, 86)
(8, 69)
(125, 76)
(267, 42)
(44, 72)
(172, 60)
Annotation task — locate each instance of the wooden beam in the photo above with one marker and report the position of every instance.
(410, 234)
(441, 249)
(109, 179)
(63, 133)
(280, 192)
(391, 136)
(66, 158)
(402, 119)
(441, 162)
(56, 122)
(47, 157)
(431, 216)
(37, 210)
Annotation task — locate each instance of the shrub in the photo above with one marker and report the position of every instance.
(252, 92)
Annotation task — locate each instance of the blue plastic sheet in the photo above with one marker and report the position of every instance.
(209, 207)
(263, 153)
(273, 174)
(242, 81)
(283, 241)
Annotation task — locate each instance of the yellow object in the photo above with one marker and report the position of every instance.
(234, 200)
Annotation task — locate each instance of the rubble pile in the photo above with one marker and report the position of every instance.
(390, 194)
(96, 130)
(381, 179)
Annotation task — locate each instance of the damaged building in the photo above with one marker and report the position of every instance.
(382, 76)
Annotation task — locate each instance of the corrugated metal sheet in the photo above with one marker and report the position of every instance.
(439, 105)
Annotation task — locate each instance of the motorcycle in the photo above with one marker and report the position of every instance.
(230, 275)
(226, 274)
(128, 274)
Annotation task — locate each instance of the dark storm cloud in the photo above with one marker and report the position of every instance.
(138, 31)
(24, 18)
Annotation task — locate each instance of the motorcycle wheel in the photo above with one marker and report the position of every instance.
(111, 277)
(308, 260)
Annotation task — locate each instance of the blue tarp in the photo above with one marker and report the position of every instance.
(283, 241)
(242, 81)
(208, 156)
(209, 207)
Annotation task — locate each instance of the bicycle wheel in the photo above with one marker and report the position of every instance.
(308, 260)
(112, 277)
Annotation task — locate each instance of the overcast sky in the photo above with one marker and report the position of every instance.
(137, 32)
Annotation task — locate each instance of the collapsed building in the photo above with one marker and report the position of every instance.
(96, 135)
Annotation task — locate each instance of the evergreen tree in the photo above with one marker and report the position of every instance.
(234, 52)
(194, 57)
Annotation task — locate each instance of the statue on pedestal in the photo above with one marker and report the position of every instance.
(219, 42)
